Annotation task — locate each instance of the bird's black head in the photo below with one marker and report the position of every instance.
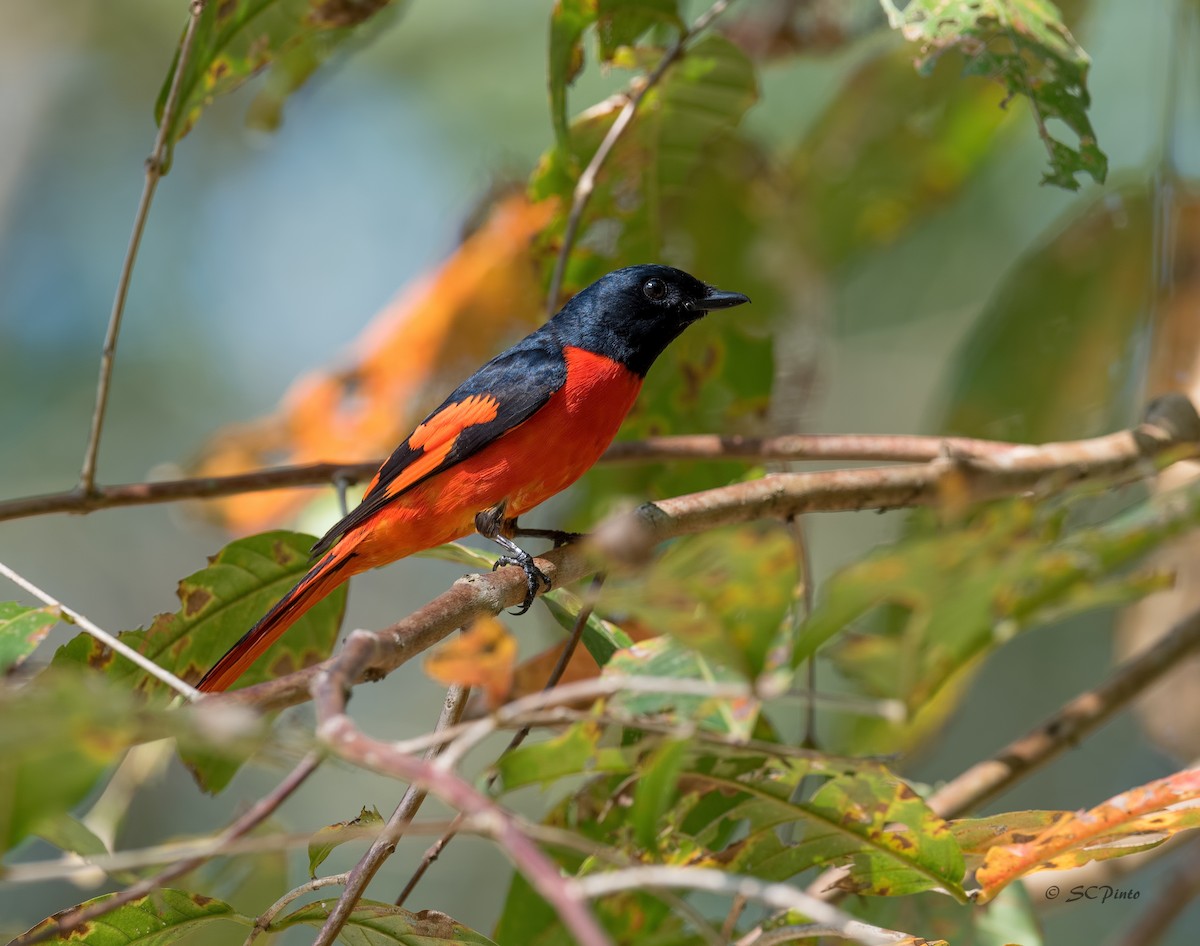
(632, 314)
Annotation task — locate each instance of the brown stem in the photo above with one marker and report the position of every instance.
(63, 923)
(154, 171)
(587, 180)
(339, 732)
(842, 447)
(384, 846)
(435, 850)
(632, 535)
(1074, 721)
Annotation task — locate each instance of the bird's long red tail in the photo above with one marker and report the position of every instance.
(321, 579)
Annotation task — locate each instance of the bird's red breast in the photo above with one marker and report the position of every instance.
(524, 467)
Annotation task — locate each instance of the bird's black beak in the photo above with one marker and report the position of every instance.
(719, 299)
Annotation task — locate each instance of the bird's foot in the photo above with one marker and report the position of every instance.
(535, 578)
(491, 524)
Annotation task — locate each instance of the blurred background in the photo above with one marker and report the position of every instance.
(966, 298)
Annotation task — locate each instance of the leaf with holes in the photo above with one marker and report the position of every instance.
(1024, 45)
(237, 39)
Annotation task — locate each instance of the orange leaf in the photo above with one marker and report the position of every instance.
(482, 656)
(433, 334)
(1120, 825)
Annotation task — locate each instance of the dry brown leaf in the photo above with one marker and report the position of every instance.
(483, 656)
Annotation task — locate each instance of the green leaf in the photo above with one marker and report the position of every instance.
(576, 750)
(891, 841)
(602, 638)
(21, 630)
(666, 657)
(888, 150)
(72, 728)
(69, 834)
(159, 919)
(378, 924)
(70, 731)
(1008, 919)
(218, 605)
(1067, 321)
(1024, 45)
(236, 39)
(329, 837)
(655, 790)
(619, 22)
(622, 22)
(727, 594)
(964, 591)
(568, 22)
(632, 917)
(460, 554)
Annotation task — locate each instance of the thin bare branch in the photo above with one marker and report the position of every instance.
(780, 896)
(587, 180)
(385, 844)
(840, 447)
(339, 732)
(263, 923)
(1073, 722)
(154, 171)
(262, 809)
(435, 850)
(1181, 889)
(183, 689)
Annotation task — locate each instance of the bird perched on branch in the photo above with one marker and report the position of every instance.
(526, 425)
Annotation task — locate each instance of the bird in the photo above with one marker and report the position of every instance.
(523, 427)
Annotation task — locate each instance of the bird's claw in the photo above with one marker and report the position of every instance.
(535, 578)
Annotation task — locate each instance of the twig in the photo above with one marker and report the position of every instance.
(843, 447)
(267, 917)
(84, 870)
(781, 896)
(188, 692)
(154, 171)
(587, 180)
(64, 923)
(338, 731)
(1067, 727)
(385, 845)
(1085, 713)
(1126, 454)
(789, 934)
(435, 850)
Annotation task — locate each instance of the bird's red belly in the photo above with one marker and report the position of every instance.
(524, 467)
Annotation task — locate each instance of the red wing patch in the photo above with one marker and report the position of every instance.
(436, 437)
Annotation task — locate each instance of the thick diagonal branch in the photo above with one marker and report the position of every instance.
(1165, 437)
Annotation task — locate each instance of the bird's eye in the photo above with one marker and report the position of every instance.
(655, 290)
